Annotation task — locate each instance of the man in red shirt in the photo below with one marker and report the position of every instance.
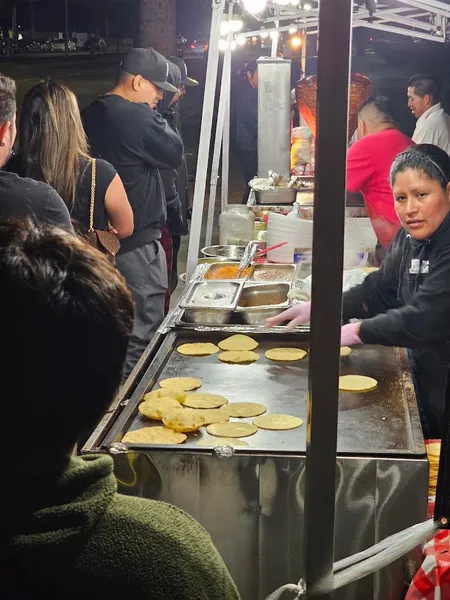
(369, 162)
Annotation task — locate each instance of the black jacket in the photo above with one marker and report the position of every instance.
(139, 143)
(175, 182)
(407, 303)
(244, 121)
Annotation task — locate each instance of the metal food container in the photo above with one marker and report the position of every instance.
(272, 272)
(281, 194)
(209, 273)
(211, 302)
(234, 253)
(260, 302)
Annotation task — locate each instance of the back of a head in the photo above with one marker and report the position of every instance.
(430, 159)
(7, 99)
(65, 317)
(51, 138)
(426, 85)
(377, 111)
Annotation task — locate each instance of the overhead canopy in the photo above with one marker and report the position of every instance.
(423, 19)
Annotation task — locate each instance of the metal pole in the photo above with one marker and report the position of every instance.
(66, 28)
(273, 52)
(224, 95)
(226, 138)
(303, 53)
(205, 138)
(335, 21)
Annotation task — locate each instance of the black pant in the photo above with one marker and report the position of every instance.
(250, 166)
(176, 243)
(430, 375)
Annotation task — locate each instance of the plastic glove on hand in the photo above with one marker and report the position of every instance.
(350, 334)
(297, 315)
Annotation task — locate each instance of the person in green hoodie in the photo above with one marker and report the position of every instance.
(65, 319)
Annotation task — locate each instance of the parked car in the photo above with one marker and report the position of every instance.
(98, 44)
(59, 45)
(199, 48)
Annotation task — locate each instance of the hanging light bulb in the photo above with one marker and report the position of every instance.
(255, 6)
(224, 27)
(236, 25)
(264, 35)
(274, 35)
(307, 6)
(241, 40)
(223, 45)
(292, 30)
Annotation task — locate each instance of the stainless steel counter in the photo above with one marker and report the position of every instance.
(251, 500)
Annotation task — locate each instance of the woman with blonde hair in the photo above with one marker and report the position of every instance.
(53, 148)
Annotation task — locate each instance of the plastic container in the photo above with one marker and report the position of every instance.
(236, 225)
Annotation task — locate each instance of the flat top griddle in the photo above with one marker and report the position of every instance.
(381, 422)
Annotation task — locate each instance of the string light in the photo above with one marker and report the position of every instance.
(255, 6)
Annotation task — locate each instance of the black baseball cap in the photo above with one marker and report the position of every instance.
(150, 65)
(179, 62)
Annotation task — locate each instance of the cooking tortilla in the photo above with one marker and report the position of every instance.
(285, 354)
(156, 408)
(204, 401)
(214, 415)
(185, 420)
(177, 395)
(238, 342)
(243, 410)
(200, 349)
(345, 351)
(238, 357)
(277, 422)
(153, 435)
(357, 383)
(221, 442)
(181, 383)
(231, 429)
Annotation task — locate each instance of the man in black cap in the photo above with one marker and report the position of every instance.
(123, 128)
(178, 180)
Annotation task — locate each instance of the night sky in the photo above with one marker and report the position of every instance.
(193, 16)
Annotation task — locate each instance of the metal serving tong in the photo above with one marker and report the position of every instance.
(247, 258)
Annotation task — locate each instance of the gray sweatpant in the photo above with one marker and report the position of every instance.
(145, 272)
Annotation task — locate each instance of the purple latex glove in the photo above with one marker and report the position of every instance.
(297, 315)
(350, 334)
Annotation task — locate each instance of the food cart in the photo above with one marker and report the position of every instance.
(288, 502)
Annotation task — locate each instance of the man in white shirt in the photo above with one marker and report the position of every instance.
(433, 124)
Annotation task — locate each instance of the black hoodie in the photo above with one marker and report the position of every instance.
(139, 143)
(406, 303)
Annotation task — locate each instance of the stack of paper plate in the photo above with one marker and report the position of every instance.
(297, 233)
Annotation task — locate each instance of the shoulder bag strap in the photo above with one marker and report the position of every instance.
(93, 186)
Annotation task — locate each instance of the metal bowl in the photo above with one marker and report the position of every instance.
(230, 253)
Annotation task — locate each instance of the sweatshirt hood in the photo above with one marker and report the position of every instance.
(45, 518)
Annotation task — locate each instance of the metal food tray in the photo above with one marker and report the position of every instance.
(213, 294)
(382, 422)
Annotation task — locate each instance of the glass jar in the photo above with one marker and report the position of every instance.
(236, 225)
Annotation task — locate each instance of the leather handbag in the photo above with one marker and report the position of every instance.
(105, 241)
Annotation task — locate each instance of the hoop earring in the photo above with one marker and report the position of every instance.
(2, 144)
